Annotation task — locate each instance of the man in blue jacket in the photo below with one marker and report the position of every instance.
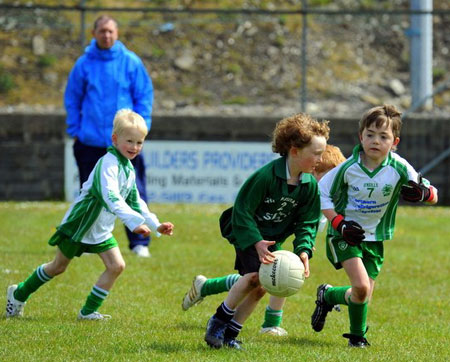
(106, 78)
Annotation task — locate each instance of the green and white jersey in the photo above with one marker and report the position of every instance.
(368, 197)
(109, 192)
(266, 208)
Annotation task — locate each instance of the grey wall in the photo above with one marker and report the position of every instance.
(32, 146)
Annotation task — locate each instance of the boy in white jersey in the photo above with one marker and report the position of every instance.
(359, 198)
(109, 192)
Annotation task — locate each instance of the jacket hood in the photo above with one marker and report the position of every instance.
(93, 51)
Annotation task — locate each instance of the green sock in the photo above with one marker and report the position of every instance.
(357, 313)
(38, 278)
(272, 318)
(336, 295)
(219, 285)
(94, 300)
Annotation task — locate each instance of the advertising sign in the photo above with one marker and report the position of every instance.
(190, 171)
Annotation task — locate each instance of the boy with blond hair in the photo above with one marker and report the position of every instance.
(109, 192)
(106, 78)
(360, 198)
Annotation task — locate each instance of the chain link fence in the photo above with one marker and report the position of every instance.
(324, 60)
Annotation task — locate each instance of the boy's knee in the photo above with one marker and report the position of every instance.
(59, 269)
(53, 269)
(117, 268)
(361, 293)
(259, 293)
(254, 281)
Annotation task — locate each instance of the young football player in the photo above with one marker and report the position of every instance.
(203, 287)
(278, 200)
(109, 192)
(359, 198)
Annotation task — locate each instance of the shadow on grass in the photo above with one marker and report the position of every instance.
(167, 347)
(176, 347)
(24, 319)
(190, 326)
(301, 341)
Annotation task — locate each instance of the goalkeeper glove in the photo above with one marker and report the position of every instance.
(416, 191)
(351, 231)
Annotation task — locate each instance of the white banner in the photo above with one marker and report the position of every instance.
(190, 171)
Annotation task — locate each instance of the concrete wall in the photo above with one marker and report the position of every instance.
(32, 146)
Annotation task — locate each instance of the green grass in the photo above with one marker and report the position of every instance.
(409, 316)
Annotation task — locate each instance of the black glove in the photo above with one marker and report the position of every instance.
(415, 192)
(351, 231)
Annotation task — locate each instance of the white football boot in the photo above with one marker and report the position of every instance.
(95, 316)
(274, 331)
(194, 296)
(14, 308)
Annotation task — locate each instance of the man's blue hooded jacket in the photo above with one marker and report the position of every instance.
(101, 82)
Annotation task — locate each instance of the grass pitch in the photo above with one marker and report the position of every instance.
(409, 316)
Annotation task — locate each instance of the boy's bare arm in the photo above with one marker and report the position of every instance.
(330, 214)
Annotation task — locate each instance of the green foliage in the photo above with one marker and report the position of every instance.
(187, 90)
(313, 3)
(361, 3)
(282, 19)
(280, 41)
(46, 61)
(408, 315)
(234, 68)
(236, 100)
(157, 51)
(6, 81)
(438, 74)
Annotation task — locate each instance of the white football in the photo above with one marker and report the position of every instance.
(285, 276)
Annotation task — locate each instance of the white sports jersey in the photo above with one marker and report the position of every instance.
(109, 192)
(368, 197)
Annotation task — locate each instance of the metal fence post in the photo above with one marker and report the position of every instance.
(82, 24)
(421, 53)
(304, 57)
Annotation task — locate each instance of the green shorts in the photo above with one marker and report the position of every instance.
(71, 249)
(370, 252)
